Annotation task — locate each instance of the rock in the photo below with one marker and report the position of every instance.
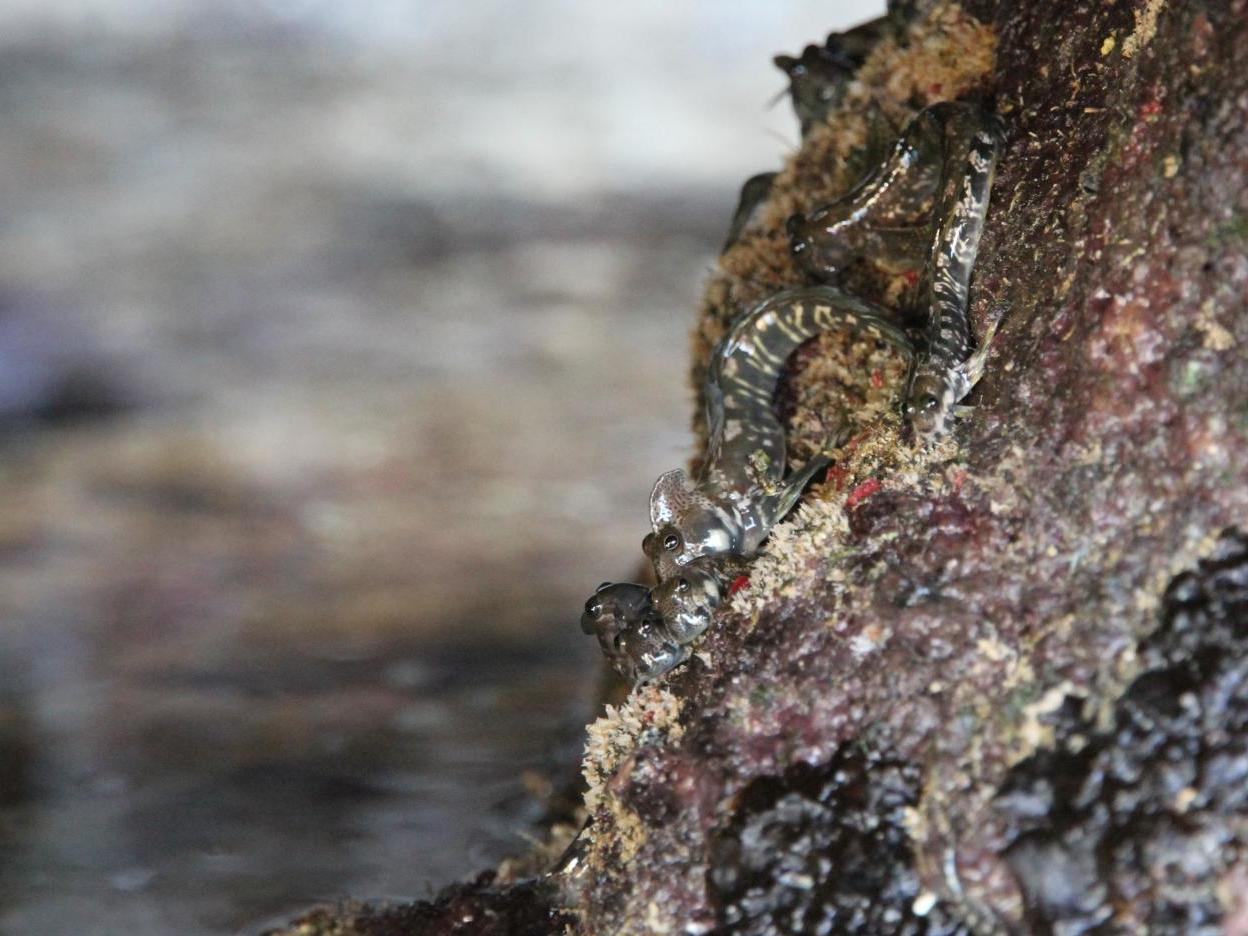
(974, 611)
(477, 908)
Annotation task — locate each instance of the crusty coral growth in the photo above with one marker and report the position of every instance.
(839, 385)
(1145, 27)
(649, 716)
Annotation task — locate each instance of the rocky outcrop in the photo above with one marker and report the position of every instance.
(1002, 685)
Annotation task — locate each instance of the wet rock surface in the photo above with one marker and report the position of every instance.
(964, 610)
(1144, 821)
(824, 850)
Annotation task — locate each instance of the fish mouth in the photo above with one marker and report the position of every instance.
(925, 427)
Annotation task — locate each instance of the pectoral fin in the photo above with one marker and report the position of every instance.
(796, 483)
(972, 369)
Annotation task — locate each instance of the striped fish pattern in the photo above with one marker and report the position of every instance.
(742, 491)
(702, 528)
(645, 632)
(687, 600)
(946, 370)
(631, 631)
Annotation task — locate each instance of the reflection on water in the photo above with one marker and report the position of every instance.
(332, 378)
(202, 800)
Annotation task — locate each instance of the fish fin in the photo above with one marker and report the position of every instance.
(796, 483)
(972, 369)
(672, 492)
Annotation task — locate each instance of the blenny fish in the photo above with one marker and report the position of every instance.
(742, 491)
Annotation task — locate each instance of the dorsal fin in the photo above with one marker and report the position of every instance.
(672, 493)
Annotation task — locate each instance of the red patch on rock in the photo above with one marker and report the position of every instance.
(862, 492)
(836, 476)
(740, 582)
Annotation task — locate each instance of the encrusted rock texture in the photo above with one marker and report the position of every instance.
(1000, 686)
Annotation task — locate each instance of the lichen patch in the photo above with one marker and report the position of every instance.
(1145, 27)
(650, 715)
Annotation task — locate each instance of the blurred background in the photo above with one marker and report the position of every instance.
(340, 344)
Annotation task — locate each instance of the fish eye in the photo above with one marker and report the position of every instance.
(671, 542)
(618, 643)
(593, 607)
(928, 402)
(682, 585)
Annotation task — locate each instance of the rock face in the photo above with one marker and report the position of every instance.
(1136, 819)
(477, 907)
(1000, 686)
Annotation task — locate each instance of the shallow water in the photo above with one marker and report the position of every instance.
(336, 357)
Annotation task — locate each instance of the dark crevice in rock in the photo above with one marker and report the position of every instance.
(824, 850)
(1139, 823)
